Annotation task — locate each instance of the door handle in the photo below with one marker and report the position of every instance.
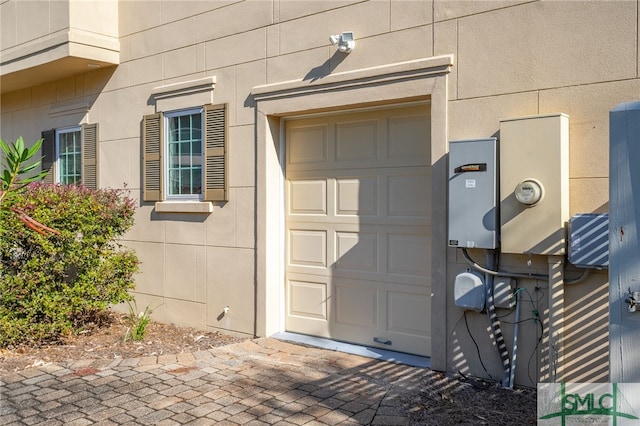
(382, 341)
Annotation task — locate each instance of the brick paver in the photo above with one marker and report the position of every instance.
(256, 382)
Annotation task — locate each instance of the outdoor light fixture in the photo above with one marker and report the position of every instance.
(345, 41)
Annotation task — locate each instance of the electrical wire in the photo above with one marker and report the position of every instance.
(533, 353)
(476, 266)
(466, 323)
(579, 279)
(520, 321)
(585, 274)
(453, 329)
(536, 318)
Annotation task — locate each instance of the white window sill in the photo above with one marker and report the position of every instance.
(184, 207)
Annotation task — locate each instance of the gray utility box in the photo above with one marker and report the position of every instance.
(589, 240)
(473, 212)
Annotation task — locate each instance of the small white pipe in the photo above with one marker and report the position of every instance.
(515, 344)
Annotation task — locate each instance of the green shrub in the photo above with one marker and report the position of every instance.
(51, 285)
(137, 323)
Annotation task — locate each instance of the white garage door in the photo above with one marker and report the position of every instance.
(359, 228)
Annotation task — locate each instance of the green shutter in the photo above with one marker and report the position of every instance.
(152, 135)
(48, 161)
(215, 153)
(90, 155)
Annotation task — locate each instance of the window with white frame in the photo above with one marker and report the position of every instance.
(70, 154)
(185, 154)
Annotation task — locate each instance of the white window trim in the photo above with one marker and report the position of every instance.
(59, 131)
(184, 206)
(184, 197)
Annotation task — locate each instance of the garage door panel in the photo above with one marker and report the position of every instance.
(308, 145)
(356, 304)
(408, 255)
(308, 302)
(357, 251)
(407, 196)
(308, 299)
(357, 141)
(406, 136)
(308, 248)
(308, 196)
(406, 313)
(357, 196)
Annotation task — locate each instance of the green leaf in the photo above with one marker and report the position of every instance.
(19, 145)
(36, 146)
(29, 167)
(4, 146)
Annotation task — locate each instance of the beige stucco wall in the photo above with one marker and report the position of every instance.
(538, 58)
(510, 59)
(48, 40)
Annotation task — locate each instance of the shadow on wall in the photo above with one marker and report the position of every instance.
(326, 68)
(586, 318)
(585, 345)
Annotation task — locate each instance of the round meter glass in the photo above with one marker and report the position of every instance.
(529, 192)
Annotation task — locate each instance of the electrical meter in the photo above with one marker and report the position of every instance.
(529, 192)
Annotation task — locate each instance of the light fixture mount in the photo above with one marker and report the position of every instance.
(346, 41)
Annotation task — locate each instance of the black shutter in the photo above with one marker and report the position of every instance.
(48, 161)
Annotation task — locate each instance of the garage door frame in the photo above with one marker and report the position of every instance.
(423, 79)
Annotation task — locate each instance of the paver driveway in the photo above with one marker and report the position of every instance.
(256, 382)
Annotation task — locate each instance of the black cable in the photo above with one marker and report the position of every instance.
(477, 347)
(506, 315)
(539, 340)
(533, 353)
(520, 322)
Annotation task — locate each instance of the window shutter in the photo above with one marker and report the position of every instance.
(90, 155)
(215, 153)
(48, 161)
(152, 135)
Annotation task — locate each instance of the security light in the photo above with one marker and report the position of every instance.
(345, 41)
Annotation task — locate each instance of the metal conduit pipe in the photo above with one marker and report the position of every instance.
(514, 350)
(556, 282)
(585, 274)
(495, 322)
(475, 266)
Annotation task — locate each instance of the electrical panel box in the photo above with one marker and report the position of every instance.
(589, 240)
(534, 184)
(473, 215)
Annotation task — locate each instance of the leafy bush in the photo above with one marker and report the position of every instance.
(51, 285)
